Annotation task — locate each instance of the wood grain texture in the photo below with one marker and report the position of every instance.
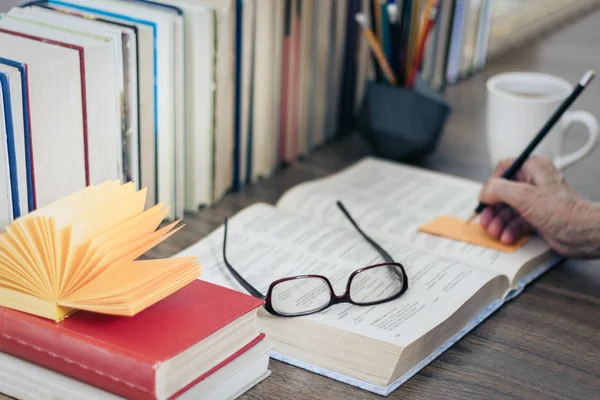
(545, 344)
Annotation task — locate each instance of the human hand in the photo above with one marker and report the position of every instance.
(539, 199)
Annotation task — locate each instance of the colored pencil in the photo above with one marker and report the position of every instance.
(376, 48)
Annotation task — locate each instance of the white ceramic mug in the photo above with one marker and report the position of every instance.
(519, 104)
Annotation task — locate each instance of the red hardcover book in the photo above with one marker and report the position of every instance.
(159, 353)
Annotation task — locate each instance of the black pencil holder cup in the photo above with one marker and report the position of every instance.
(402, 124)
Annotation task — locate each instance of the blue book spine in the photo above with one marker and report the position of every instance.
(10, 146)
(238, 95)
(249, 153)
(28, 161)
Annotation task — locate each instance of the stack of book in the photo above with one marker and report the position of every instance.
(82, 316)
(188, 99)
(202, 342)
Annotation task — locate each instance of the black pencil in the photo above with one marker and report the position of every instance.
(518, 163)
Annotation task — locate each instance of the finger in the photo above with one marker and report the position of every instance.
(501, 221)
(514, 231)
(488, 214)
(486, 217)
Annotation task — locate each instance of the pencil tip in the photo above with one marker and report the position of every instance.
(587, 78)
(471, 219)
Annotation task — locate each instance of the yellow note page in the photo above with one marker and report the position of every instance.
(75, 206)
(130, 283)
(107, 217)
(138, 226)
(128, 252)
(457, 229)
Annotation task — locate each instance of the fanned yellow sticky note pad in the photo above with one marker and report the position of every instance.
(81, 253)
(457, 229)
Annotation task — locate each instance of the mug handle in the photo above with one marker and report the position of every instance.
(563, 162)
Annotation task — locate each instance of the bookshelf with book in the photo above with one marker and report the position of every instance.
(189, 100)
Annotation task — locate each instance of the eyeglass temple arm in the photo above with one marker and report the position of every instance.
(251, 289)
(384, 254)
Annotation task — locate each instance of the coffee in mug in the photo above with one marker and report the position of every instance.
(519, 104)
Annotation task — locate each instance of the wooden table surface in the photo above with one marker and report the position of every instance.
(543, 345)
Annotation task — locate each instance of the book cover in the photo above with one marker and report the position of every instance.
(123, 354)
(13, 76)
(145, 76)
(131, 113)
(10, 146)
(31, 203)
(105, 97)
(79, 49)
(179, 72)
(6, 213)
(155, 89)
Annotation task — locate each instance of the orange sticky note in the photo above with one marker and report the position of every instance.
(457, 229)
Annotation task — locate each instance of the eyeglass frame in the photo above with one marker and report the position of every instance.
(398, 268)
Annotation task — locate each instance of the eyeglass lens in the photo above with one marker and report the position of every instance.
(375, 284)
(301, 295)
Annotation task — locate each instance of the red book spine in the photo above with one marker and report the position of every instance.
(284, 93)
(82, 358)
(285, 70)
(293, 148)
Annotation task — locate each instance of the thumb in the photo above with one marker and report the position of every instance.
(520, 196)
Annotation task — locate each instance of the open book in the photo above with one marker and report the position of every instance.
(452, 285)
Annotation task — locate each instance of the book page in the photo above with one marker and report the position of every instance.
(265, 243)
(390, 201)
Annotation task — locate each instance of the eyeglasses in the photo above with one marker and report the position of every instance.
(308, 294)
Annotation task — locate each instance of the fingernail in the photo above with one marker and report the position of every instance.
(506, 237)
(486, 217)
